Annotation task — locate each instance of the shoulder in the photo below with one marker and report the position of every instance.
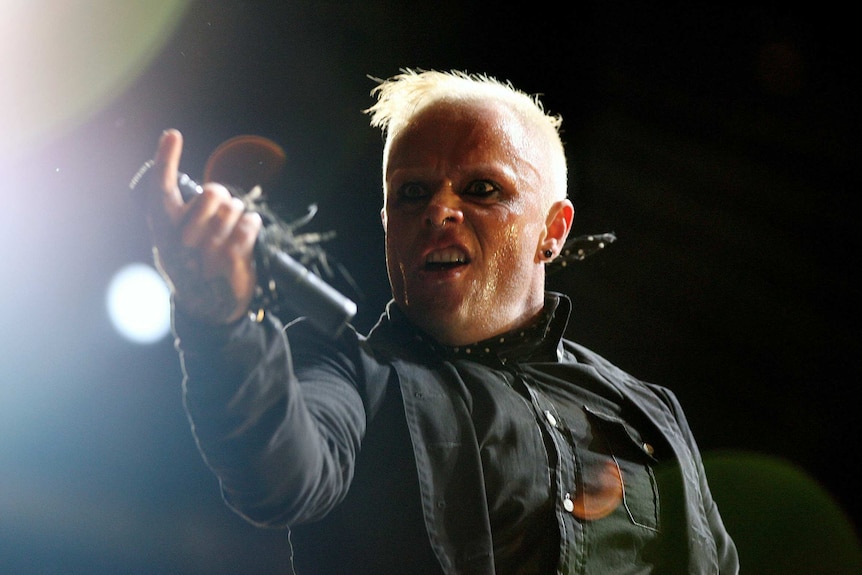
(619, 377)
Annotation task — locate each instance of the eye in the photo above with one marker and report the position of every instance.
(481, 189)
(411, 191)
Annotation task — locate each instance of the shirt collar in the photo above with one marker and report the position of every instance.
(539, 341)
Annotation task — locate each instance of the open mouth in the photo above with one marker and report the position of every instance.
(441, 266)
(445, 259)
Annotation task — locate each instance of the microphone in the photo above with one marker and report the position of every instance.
(283, 281)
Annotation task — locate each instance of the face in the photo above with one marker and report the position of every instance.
(466, 220)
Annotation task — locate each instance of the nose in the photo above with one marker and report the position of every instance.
(444, 207)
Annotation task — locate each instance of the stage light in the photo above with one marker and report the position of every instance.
(138, 302)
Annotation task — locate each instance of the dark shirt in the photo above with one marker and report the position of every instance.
(540, 424)
(537, 455)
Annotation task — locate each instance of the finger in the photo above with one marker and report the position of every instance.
(242, 242)
(235, 250)
(215, 244)
(243, 237)
(166, 168)
(210, 217)
(238, 253)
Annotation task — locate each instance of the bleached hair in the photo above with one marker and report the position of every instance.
(401, 97)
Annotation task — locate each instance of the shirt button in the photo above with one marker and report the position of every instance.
(649, 449)
(551, 419)
(568, 505)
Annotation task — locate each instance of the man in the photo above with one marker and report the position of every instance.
(463, 434)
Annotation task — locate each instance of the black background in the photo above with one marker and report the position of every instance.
(719, 142)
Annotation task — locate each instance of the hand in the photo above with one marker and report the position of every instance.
(204, 248)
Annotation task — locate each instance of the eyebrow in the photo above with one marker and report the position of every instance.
(473, 171)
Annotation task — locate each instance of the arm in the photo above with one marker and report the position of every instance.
(283, 449)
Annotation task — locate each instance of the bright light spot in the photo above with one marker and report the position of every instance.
(139, 304)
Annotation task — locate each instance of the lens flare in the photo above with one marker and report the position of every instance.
(60, 61)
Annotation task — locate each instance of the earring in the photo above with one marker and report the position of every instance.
(548, 254)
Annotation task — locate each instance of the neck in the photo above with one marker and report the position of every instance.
(470, 331)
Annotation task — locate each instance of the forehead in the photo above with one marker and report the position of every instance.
(463, 131)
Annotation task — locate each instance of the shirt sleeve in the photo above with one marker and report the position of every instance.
(726, 552)
(282, 445)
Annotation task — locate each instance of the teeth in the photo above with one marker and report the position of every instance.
(447, 256)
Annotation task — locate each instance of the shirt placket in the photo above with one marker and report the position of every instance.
(564, 470)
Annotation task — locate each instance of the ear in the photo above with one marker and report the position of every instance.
(383, 217)
(557, 227)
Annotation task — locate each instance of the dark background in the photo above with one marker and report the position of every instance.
(720, 143)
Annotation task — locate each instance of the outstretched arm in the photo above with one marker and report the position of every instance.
(282, 449)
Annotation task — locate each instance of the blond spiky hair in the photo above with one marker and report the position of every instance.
(402, 97)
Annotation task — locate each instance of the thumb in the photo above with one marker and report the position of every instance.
(165, 170)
